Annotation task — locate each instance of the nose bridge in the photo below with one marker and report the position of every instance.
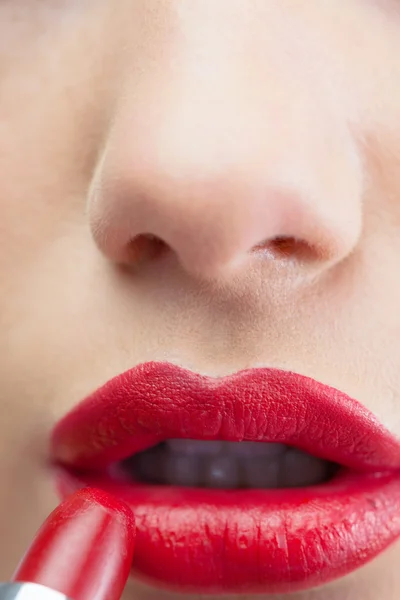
(217, 83)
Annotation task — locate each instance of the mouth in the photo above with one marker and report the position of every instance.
(263, 481)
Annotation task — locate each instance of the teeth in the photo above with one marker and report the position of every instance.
(261, 474)
(300, 469)
(222, 472)
(195, 447)
(218, 464)
(149, 466)
(213, 448)
(182, 470)
(254, 449)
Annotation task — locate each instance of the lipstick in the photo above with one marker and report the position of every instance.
(83, 551)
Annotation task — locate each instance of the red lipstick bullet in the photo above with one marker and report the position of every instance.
(83, 551)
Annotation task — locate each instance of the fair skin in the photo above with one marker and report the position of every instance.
(214, 126)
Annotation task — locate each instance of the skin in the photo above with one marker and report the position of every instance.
(216, 127)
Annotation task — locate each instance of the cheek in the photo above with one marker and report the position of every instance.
(58, 72)
(370, 66)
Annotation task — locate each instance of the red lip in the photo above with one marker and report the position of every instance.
(247, 540)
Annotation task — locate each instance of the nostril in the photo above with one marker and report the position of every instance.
(144, 247)
(287, 247)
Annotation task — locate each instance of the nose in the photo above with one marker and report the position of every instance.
(217, 153)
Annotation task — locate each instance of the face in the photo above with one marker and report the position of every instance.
(214, 185)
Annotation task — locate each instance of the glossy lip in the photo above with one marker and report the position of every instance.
(271, 541)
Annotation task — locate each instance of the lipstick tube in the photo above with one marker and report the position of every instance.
(29, 591)
(83, 551)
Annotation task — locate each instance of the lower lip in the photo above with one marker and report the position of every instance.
(252, 541)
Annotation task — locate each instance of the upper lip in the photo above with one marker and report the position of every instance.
(157, 401)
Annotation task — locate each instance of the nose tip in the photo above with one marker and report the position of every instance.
(212, 218)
